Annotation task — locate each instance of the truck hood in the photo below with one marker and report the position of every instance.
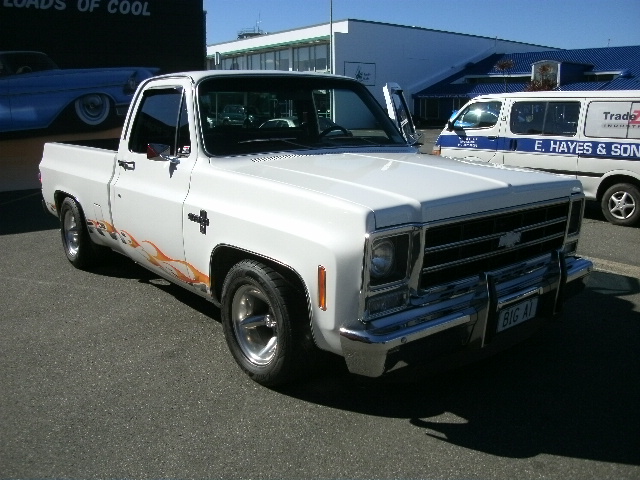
(406, 188)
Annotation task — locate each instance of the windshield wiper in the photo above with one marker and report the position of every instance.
(275, 139)
(344, 141)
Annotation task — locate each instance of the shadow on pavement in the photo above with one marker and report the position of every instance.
(21, 211)
(572, 390)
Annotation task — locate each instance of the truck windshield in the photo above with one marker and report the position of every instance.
(241, 115)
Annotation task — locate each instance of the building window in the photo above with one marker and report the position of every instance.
(440, 109)
(253, 61)
(314, 58)
(496, 79)
(282, 60)
(304, 59)
(301, 59)
(600, 77)
(268, 61)
(321, 54)
(432, 108)
(232, 63)
(545, 71)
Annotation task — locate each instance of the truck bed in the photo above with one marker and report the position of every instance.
(82, 170)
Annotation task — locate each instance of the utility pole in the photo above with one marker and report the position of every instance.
(330, 36)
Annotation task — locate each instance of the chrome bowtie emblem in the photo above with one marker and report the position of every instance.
(510, 239)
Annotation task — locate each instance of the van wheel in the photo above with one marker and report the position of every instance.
(621, 204)
(78, 247)
(264, 323)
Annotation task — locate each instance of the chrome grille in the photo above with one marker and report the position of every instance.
(457, 250)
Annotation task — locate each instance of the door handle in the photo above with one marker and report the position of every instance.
(492, 137)
(127, 165)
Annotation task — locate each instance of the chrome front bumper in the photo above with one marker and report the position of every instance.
(473, 310)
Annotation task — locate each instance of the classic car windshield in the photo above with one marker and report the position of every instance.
(12, 63)
(241, 115)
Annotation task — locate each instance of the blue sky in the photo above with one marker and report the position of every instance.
(555, 23)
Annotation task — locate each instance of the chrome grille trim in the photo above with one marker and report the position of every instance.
(486, 255)
(475, 242)
(496, 235)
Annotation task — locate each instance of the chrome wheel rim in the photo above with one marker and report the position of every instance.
(622, 205)
(71, 233)
(93, 109)
(254, 325)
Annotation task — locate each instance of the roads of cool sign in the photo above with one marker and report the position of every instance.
(124, 7)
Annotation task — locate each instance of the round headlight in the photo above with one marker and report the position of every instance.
(132, 83)
(382, 258)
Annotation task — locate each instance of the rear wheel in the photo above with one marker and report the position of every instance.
(621, 204)
(265, 324)
(78, 247)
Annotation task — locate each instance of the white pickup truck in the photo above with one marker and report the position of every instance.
(314, 223)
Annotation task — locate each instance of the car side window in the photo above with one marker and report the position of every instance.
(478, 115)
(161, 118)
(545, 118)
(183, 143)
(527, 117)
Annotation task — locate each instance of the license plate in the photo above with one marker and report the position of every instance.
(515, 315)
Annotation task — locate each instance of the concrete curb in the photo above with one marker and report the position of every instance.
(601, 265)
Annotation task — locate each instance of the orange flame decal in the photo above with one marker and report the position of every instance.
(180, 269)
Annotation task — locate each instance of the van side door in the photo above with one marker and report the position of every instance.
(543, 134)
(474, 133)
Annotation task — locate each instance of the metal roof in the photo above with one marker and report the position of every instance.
(594, 60)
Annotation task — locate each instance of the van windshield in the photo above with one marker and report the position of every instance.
(478, 115)
(241, 115)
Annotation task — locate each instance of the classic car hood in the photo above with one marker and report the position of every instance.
(404, 188)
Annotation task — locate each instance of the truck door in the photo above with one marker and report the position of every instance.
(153, 173)
(474, 132)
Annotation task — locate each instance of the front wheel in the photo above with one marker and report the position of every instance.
(265, 323)
(78, 247)
(621, 204)
(93, 109)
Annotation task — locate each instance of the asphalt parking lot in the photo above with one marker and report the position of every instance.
(115, 373)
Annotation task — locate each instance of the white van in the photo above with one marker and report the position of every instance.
(594, 136)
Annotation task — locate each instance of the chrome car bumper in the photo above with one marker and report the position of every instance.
(473, 314)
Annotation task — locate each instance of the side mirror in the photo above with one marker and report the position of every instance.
(398, 111)
(161, 153)
(450, 123)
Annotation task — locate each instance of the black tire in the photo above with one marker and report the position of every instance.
(78, 247)
(621, 204)
(265, 324)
